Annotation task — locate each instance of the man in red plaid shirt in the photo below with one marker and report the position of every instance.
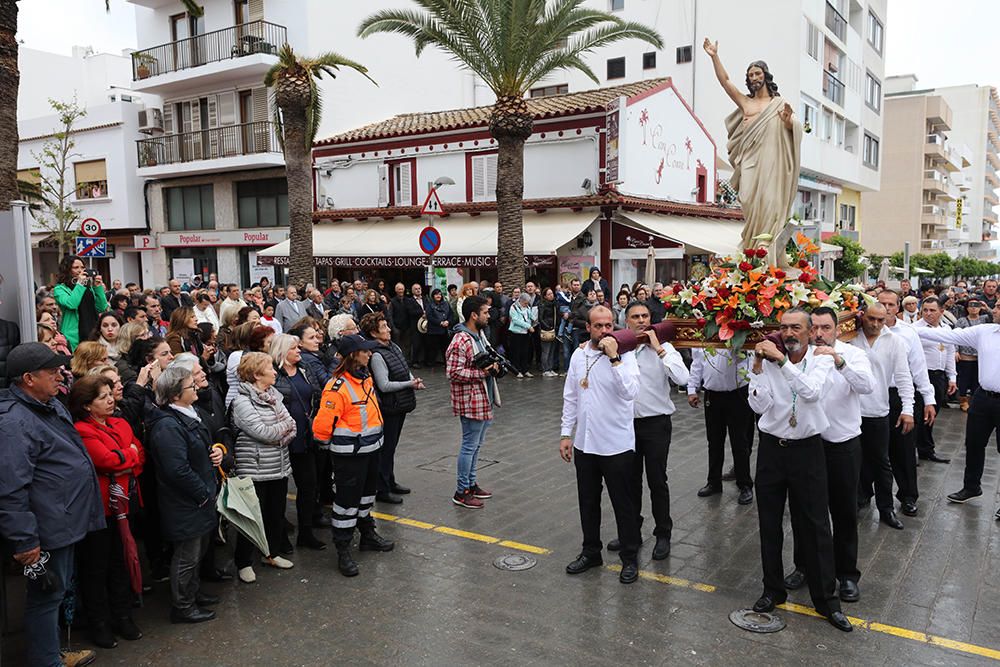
(474, 392)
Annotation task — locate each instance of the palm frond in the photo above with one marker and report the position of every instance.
(330, 63)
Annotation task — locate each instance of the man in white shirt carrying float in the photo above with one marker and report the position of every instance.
(984, 409)
(850, 380)
(940, 366)
(598, 404)
(658, 363)
(785, 390)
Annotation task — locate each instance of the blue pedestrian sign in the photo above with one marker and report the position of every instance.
(91, 246)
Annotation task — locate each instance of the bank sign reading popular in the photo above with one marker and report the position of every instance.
(663, 150)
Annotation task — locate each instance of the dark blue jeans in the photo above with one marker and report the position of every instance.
(41, 610)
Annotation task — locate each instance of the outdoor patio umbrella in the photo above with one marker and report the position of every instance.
(238, 503)
(650, 277)
(119, 508)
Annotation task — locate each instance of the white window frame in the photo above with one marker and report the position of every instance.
(873, 92)
(870, 149)
(812, 39)
(875, 32)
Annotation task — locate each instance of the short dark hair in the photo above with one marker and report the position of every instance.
(131, 311)
(889, 291)
(85, 390)
(147, 297)
(255, 341)
(825, 310)
(635, 304)
(369, 324)
(130, 284)
(472, 304)
(930, 299)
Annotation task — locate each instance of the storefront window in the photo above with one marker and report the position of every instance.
(263, 203)
(205, 260)
(250, 271)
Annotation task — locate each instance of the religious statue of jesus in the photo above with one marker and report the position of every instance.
(764, 146)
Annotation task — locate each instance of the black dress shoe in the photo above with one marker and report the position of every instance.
(206, 600)
(709, 490)
(616, 544)
(390, 498)
(729, 475)
(126, 628)
(889, 519)
(997, 515)
(964, 495)
(399, 489)
(935, 458)
(909, 508)
(310, 541)
(101, 635)
(746, 496)
(583, 563)
(795, 580)
(662, 548)
(849, 591)
(839, 621)
(215, 575)
(629, 573)
(192, 615)
(765, 603)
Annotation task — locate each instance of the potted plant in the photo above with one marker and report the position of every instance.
(147, 154)
(145, 65)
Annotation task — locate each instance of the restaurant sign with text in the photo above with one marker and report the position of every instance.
(413, 262)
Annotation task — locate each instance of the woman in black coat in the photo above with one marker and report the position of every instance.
(440, 320)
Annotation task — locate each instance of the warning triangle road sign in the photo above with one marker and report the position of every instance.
(432, 205)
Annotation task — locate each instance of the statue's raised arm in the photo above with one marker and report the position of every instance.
(763, 146)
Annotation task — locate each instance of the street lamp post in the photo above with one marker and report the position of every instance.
(432, 188)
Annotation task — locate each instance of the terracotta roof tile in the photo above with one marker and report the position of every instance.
(610, 199)
(540, 107)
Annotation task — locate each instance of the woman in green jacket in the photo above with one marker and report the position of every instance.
(80, 298)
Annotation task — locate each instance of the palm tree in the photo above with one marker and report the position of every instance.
(297, 110)
(511, 45)
(9, 80)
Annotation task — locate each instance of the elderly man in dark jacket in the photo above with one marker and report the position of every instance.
(181, 445)
(49, 497)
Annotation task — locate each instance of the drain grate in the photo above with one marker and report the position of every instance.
(449, 462)
(514, 562)
(755, 621)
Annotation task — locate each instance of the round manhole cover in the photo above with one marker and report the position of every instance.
(755, 621)
(514, 562)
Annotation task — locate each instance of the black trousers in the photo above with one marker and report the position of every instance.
(843, 466)
(103, 577)
(305, 472)
(148, 524)
(437, 345)
(903, 447)
(392, 427)
(185, 564)
(729, 411)
(617, 472)
(418, 347)
(796, 472)
(925, 433)
(875, 468)
(519, 348)
(968, 376)
(983, 420)
(357, 479)
(652, 445)
(272, 496)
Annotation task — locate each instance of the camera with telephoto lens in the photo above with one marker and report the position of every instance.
(487, 358)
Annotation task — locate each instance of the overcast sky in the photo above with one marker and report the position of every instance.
(944, 44)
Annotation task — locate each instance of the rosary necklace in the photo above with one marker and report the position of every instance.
(585, 382)
(793, 421)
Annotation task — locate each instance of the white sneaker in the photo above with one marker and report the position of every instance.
(279, 562)
(528, 375)
(520, 376)
(550, 374)
(247, 575)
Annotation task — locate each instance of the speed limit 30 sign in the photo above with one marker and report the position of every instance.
(90, 227)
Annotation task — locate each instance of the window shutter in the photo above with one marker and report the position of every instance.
(168, 118)
(383, 185)
(491, 177)
(196, 124)
(256, 10)
(227, 109)
(261, 131)
(484, 177)
(405, 181)
(90, 172)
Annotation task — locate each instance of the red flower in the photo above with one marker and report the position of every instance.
(701, 322)
(677, 288)
(723, 292)
(745, 266)
(761, 253)
(696, 288)
(668, 305)
(779, 274)
(750, 252)
(803, 263)
(807, 278)
(728, 312)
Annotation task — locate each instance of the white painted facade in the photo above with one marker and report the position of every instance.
(106, 133)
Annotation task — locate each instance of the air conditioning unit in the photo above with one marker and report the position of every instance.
(151, 121)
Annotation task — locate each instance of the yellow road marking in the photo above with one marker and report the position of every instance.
(666, 579)
(874, 626)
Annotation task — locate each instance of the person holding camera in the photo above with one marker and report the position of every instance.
(474, 392)
(81, 297)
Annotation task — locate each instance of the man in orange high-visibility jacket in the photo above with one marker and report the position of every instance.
(349, 425)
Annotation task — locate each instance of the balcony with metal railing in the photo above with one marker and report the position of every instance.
(836, 22)
(833, 88)
(226, 148)
(934, 215)
(245, 49)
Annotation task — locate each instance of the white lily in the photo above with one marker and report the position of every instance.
(799, 293)
(710, 292)
(686, 295)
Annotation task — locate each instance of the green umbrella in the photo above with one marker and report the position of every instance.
(238, 503)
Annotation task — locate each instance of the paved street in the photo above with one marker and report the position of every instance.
(438, 600)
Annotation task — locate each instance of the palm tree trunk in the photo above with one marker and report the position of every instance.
(510, 217)
(8, 106)
(298, 171)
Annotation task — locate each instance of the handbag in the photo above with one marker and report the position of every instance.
(548, 336)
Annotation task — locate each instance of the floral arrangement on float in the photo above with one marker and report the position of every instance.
(743, 298)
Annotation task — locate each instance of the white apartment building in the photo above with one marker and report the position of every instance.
(102, 170)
